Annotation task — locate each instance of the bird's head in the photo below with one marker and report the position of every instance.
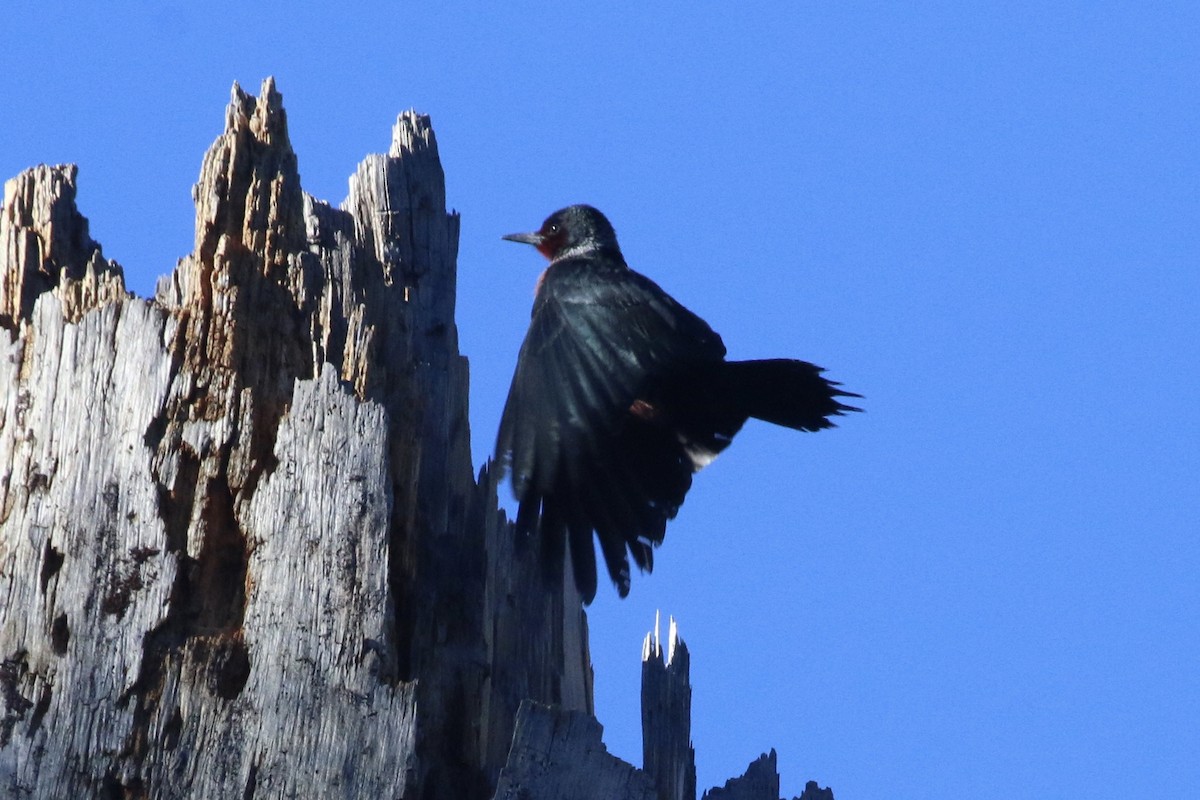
(571, 231)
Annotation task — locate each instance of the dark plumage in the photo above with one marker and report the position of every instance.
(620, 394)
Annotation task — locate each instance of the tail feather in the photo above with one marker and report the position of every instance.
(785, 392)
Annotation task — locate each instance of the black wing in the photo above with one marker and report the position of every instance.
(584, 459)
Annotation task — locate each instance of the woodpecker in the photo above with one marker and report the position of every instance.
(620, 394)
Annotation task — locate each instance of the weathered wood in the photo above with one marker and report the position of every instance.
(559, 754)
(44, 242)
(760, 781)
(667, 753)
(813, 791)
(241, 546)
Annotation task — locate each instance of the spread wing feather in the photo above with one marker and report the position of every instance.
(581, 462)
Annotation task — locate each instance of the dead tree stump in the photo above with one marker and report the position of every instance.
(243, 549)
(667, 753)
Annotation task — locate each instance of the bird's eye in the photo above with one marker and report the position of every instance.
(553, 228)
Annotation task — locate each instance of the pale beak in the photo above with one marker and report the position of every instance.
(534, 239)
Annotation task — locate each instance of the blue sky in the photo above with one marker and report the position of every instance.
(982, 216)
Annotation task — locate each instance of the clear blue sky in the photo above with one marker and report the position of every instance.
(983, 216)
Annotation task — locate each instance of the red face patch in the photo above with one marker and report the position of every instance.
(554, 239)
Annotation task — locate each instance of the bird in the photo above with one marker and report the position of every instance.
(620, 394)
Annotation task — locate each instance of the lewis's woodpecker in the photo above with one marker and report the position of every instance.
(619, 395)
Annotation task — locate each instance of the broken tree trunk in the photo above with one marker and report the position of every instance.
(667, 752)
(559, 754)
(242, 549)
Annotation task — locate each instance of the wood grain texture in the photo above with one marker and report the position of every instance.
(667, 753)
(242, 548)
(559, 754)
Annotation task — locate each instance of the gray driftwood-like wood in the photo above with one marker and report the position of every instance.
(242, 550)
(760, 781)
(559, 754)
(814, 791)
(667, 753)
